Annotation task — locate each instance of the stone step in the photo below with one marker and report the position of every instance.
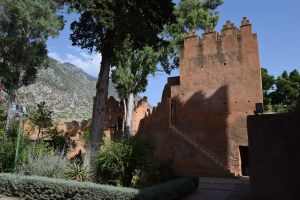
(204, 151)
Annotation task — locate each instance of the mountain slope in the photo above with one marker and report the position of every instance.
(67, 89)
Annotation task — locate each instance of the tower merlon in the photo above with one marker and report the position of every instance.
(228, 25)
(245, 22)
(243, 30)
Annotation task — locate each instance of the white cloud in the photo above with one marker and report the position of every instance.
(90, 63)
(71, 57)
(55, 56)
(85, 55)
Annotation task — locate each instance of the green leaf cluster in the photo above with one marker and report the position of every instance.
(132, 68)
(268, 82)
(197, 14)
(41, 117)
(25, 26)
(281, 94)
(78, 172)
(7, 152)
(104, 25)
(112, 162)
(190, 15)
(132, 164)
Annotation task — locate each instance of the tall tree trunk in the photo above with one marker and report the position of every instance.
(39, 132)
(124, 117)
(12, 99)
(130, 105)
(99, 108)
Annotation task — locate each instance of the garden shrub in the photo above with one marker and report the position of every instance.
(146, 169)
(49, 165)
(32, 149)
(42, 188)
(112, 162)
(7, 153)
(78, 172)
(59, 140)
(132, 164)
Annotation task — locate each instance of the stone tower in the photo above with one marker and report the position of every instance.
(201, 120)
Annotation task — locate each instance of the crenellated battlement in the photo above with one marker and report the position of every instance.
(245, 29)
(226, 52)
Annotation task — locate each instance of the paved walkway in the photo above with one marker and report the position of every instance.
(221, 189)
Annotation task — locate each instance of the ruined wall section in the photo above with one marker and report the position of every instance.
(140, 112)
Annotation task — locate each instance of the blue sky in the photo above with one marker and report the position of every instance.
(276, 23)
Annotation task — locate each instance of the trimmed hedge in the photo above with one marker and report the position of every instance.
(42, 188)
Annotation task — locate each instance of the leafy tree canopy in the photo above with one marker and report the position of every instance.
(25, 26)
(281, 94)
(191, 15)
(268, 82)
(133, 68)
(41, 117)
(104, 25)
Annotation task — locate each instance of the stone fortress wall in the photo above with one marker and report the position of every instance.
(201, 120)
(113, 118)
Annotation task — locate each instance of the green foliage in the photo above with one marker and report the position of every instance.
(133, 68)
(268, 82)
(104, 25)
(7, 152)
(49, 165)
(37, 188)
(85, 136)
(287, 90)
(2, 117)
(41, 117)
(3, 107)
(191, 15)
(86, 133)
(78, 172)
(195, 14)
(47, 188)
(132, 164)
(112, 162)
(59, 141)
(146, 170)
(281, 95)
(25, 26)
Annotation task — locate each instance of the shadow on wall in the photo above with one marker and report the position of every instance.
(203, 121)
